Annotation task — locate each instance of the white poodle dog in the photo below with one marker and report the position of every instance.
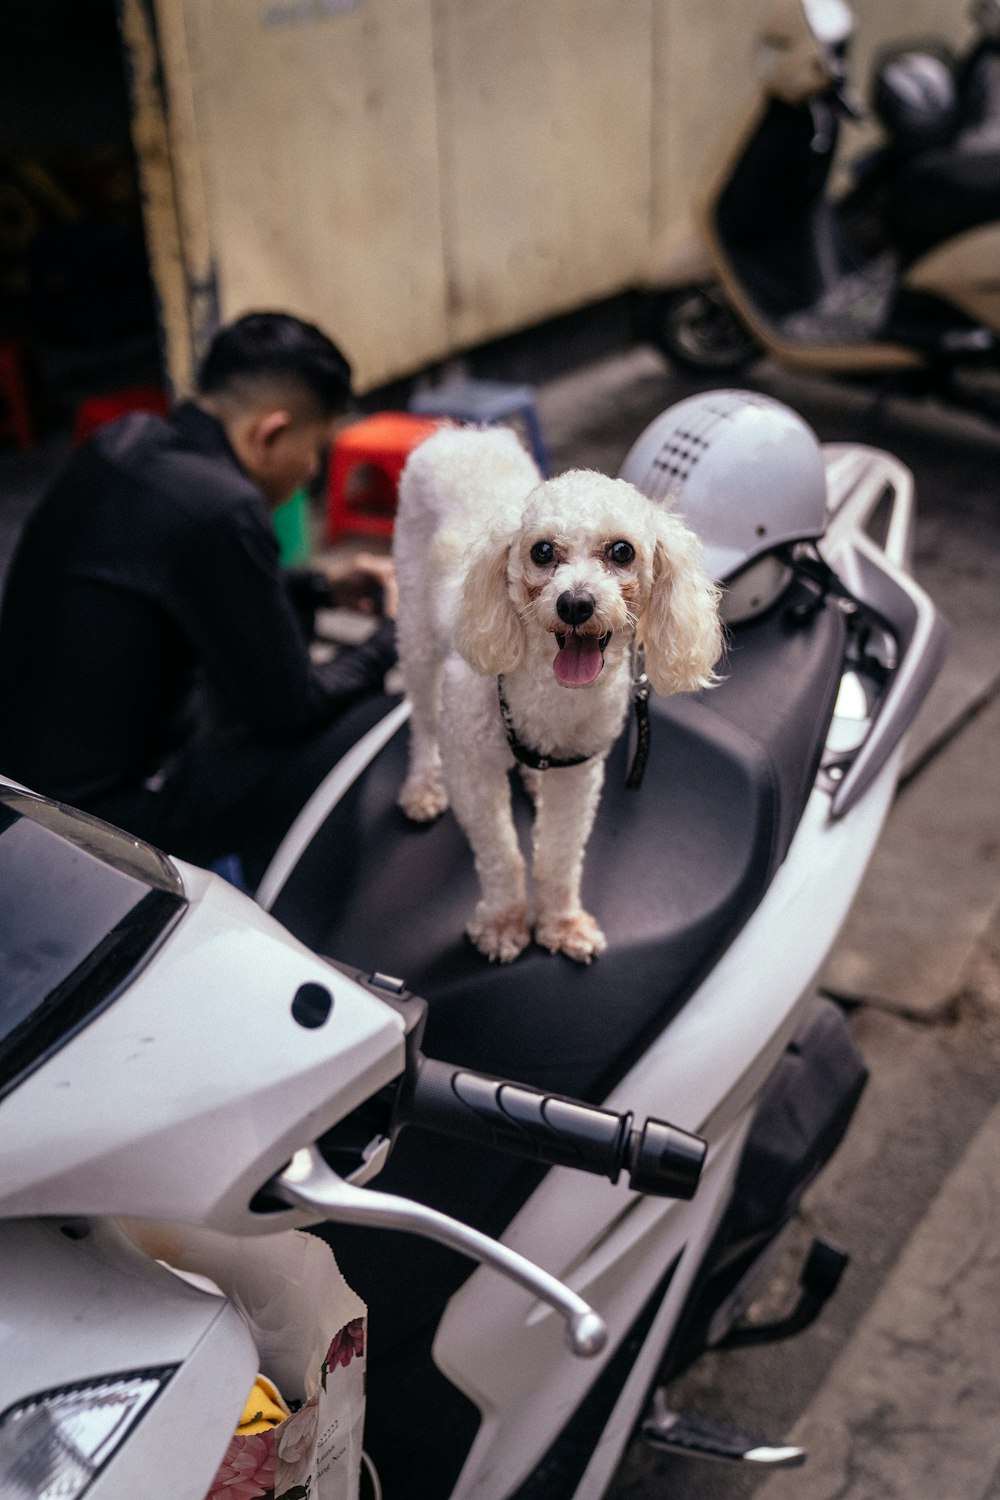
(519, 604)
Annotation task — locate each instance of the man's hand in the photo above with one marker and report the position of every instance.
(367, 584)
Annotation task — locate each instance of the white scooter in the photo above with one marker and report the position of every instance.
(172, 1054)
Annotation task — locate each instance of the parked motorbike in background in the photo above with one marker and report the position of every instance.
(221, 1072)
(895, 281)
(936, 171)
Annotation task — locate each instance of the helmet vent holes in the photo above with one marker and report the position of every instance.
(678, 457)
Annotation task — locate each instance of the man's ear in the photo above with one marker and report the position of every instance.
(265, 427)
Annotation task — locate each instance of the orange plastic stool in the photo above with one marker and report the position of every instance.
(367, 460)
(99, 410)
(16, 422)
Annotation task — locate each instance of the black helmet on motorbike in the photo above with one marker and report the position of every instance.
(915, 98)
(748, 475)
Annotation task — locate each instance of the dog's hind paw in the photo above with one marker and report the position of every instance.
(423, 798)
(574, 933)
(500, 935)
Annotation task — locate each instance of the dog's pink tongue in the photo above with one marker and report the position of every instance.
(578, 661)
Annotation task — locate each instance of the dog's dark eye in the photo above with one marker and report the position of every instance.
(621, 553)
(542, 554)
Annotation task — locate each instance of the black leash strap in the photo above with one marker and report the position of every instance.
(538, 762)
(640, 700)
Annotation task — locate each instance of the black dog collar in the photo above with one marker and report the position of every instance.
(538, 762)
(524, 753)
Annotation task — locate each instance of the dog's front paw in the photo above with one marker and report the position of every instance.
(500, 935)
(574, 933)
(423, 797)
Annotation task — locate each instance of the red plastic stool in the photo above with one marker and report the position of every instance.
(16, 422)
(367, 460)
(99, 410)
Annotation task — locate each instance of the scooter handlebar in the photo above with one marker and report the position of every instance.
(549, 1128)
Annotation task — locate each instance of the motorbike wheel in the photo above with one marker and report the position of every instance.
(697, 330)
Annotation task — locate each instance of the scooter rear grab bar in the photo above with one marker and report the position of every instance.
(307, 1183)
(861, 478)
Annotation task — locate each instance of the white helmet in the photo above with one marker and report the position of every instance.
(747, 474)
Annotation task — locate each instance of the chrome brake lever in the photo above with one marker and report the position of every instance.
(307, 1183)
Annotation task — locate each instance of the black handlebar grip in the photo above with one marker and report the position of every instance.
(665, 1160)
(549, 1128)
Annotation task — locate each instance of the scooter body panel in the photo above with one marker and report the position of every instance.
(146, 1093)
(79, 1305)
(193, 1420)
(641, 1267)
(963, 271)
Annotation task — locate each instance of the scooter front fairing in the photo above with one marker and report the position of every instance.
(169, 1055)
(114, 1369)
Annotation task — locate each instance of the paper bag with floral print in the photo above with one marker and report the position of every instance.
(301, 1431)
(314, 1454)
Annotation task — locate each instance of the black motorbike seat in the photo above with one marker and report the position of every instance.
(672, 871)
(943, 194)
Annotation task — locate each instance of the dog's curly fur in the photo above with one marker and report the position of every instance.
(490, 560)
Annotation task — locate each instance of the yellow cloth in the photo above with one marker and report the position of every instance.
(264, 1408)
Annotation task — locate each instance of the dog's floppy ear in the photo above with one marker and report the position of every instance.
(680, 626)
(489, 633)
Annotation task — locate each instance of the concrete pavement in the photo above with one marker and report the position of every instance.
(909, 1409)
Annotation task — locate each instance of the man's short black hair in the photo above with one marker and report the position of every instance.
(265, 348)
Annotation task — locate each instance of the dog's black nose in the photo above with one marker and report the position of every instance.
(574, 608)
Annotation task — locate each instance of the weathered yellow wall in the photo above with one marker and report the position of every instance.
(703, 76)
(320, 148)
(544, 118)
(421, 175)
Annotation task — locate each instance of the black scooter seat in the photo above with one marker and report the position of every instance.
(942, 194)
(672, 871)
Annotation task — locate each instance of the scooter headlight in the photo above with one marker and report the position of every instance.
(53, 1445)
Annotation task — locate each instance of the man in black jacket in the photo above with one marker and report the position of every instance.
(152, 567)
